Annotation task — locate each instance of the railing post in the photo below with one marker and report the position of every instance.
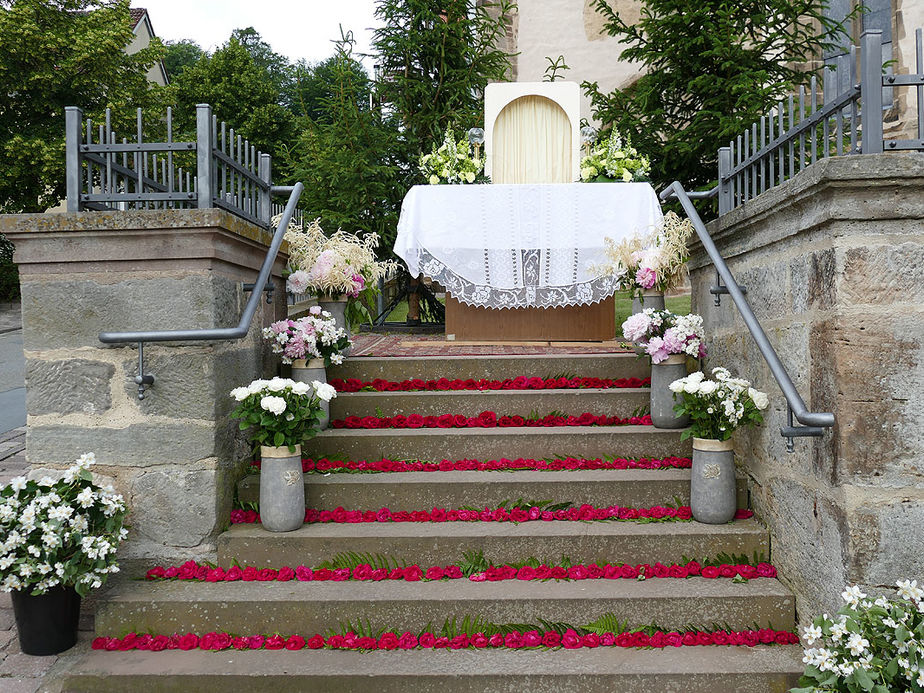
(265, 172)
(204, 146)
(73, 124)
(871, 91)
(725, 192)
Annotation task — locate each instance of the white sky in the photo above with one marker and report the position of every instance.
(294, 28)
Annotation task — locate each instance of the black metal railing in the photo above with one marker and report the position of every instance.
(809, 126)
(218, 169)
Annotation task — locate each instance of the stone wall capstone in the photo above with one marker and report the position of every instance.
(175, 455)
(832, 261)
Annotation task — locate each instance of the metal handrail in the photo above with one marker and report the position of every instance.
(220, 333)
(814, 423)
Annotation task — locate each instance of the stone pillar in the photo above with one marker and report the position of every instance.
(833, 261)
(176, 455)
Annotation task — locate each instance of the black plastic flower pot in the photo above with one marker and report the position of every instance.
(47, 623)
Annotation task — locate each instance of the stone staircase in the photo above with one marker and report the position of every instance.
(309, 607)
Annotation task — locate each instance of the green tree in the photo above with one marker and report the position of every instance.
(58, 53)
(710, 68)
(178, 55)
(347, 155)
(241, 92)
(315, 85)
(435, 58)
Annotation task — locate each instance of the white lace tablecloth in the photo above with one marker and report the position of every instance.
(518, 246)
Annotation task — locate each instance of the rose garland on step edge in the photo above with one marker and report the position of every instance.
(487, 419)
(518, 383)
(584, 513)
(391, 640)
(325, 465)
(365, 572)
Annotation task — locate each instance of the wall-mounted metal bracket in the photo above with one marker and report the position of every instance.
(143, 380)
(720, 289)
(792, 431)
(269, 289)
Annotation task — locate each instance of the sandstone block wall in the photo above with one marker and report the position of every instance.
(175, 455)
(833, 261)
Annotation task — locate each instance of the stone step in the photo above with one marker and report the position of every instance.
(315, 607)
(457, 489)
(589, 442)
(761, 669)
(497, 367)
(611, 402)
(443, 543)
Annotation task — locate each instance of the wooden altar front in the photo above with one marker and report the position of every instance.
(593, 323)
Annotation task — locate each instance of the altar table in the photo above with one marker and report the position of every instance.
(529, 254)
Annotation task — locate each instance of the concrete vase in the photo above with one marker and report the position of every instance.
(282, 489)
(306, 371)
(662, 399)
(713, 496)
(336, 306)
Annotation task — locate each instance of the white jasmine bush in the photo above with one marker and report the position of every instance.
(62, 532)
(870, 645)
(717, 407)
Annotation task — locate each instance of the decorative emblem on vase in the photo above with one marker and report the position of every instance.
(712, 471)
(291, 477)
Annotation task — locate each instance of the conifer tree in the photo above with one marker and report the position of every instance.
(710, 68)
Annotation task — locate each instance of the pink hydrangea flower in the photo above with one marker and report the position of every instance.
(672, 341)
(646, 277)
(636, 327)
(298, 282)
(657, 350)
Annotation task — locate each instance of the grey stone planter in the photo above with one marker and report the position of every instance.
(336, 306)
(662, 399)
(306, 371)
(649, 299)
(282, 489)
(713, 497)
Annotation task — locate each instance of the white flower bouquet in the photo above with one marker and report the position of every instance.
(654, 262)
(452, 162)
(718, 407)
(871, 645)
(315, 336)
(663, 333)
(342, 264)
(62, 532)
(612, 159)
(281, 411)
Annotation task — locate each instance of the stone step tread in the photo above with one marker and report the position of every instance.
(442, 543)
(514, 477)
(455, 489)
(621, 401)
(492, 443)
(180, 606)
(549, 432)
(761, 669)
(492, 367)
(442, 591)
(475, 530)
